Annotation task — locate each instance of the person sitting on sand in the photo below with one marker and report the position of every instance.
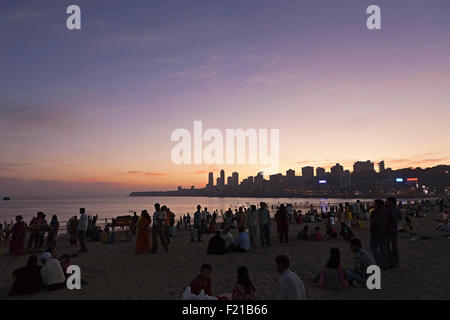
(358, 274)
(65, 263)
(27, 280)
(52, 274)
(290, 286)
(216, 245)
(444, 226)
(227, 237)
(317, 235)
(242, 242)
(203, 281)
(331, 232)
(441, 216)
(346, 232)
(244, 288)
(212, 226)
(303, 235)
(332, 274)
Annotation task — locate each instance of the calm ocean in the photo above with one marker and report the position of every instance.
(113, 206)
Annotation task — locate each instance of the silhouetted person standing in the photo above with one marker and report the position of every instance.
(82, 229)
(159, 217)
(264, 224)
(379, 234)
(198, 223)
(282, 219)
(393, 214)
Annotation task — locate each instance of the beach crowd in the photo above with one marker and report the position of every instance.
(251, 225)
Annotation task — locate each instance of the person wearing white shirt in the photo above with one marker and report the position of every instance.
(264, 224)
(252, 224)
(159, 217)
(82, 229)
(290, 286)
(228, 237)
(52, 273)
(242, 242)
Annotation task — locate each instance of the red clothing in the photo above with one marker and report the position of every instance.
(318, 235)
(18, 233)
(240, 294)
(200, 283)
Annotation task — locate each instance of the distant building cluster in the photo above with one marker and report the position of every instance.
(364, 180)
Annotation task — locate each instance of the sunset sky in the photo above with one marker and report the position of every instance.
(92, 110)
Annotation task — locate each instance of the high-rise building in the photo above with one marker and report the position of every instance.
(320, 172)
(337, 169)
(290, 173)
(222, 177)
(229, 181)
(210, 179)
(308, 172)
(235, 179)
(363, 167)
(259, 178)
(381, 167)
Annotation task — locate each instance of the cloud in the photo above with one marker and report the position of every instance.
(157, 174)
(136, 172)
(7, 166)
(32, 116)
(23, 187)
(415, 162)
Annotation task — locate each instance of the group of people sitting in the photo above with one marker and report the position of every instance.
(333, 274)
(290, 285)
(50, 274)
(223, 242)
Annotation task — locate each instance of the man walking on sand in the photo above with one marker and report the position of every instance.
(393, 214)
(252, 224)
(159, 217)
(379, 234)
(82, 229)
(264, 224)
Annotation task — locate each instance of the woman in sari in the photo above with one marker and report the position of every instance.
(143, 238)
(53, 233)
(332, 275)
(18, 234)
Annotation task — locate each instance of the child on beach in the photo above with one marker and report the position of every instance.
(203, 281)
(317, 235)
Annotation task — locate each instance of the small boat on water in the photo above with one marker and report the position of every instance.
(6, 198)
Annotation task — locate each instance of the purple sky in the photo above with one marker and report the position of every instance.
(92, 110)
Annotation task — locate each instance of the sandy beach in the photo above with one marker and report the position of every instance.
(113, 271)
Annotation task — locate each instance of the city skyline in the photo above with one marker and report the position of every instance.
(359, 167)
(91, 111)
